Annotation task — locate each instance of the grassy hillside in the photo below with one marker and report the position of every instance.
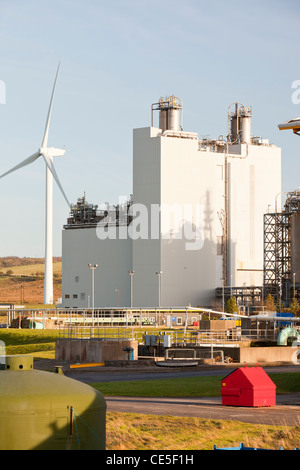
(32, 269)
(22, 280)
(10, 261)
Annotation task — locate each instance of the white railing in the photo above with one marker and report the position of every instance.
(184, 337)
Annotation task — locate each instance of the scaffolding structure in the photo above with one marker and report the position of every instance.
(279, 279)
(278, 276)
(244, 295)
(277, 255)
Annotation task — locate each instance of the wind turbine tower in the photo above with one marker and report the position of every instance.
(48, 153)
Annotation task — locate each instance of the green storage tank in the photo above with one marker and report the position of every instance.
(48, 411)
(36, 325)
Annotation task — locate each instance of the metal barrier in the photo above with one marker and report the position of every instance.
(110, 319)
(178, 337)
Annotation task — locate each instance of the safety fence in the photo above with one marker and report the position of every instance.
(183, 325)
(156, 337)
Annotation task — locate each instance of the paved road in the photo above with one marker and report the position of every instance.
(101, 374)
(286, 411)
(106, 374)
(210, 408)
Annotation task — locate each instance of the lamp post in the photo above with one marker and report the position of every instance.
(22, 294)
(294, 284)
(280, 295)
(293, 124)
(92, 268)
(159, 273)
(118, 293)
(223, 294)
(131, 274)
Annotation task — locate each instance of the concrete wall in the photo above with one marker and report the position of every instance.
(217, 324)
(171, 174)
(254, 182)
(267, 354)
(146, 251)
(93, 350)
(190, 224)
(250, 355)
(114, 258)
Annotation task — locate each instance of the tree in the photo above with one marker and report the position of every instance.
(269, 303)
(294, 306)
(232, 306)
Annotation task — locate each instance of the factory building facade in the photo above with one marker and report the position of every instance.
(194, 222)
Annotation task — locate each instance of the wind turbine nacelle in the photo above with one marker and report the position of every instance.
(52, 152)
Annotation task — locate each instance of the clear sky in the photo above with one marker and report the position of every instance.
(117, 58)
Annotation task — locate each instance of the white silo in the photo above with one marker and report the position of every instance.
(240, 124)
(170, 113)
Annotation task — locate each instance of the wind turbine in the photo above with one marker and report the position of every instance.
(47, 153)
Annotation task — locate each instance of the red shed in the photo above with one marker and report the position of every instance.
(248, 386)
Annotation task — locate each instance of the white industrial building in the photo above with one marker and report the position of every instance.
(194, 221)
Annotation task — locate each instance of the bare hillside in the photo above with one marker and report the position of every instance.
(22, 280)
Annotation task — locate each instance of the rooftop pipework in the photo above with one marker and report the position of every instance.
(170, 113)
(239, 132)
(239, 124)
(85, 215)
(292, 203)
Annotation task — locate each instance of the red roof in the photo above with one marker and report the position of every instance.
(248, 377)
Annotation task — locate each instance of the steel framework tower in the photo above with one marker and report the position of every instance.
(278, 241)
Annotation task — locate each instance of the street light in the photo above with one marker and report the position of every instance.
(294, 283)
(131, 274)
(22, 294)
(159, 273)
(223, 294)
(293, 124)
(92, 268)
(118, 292)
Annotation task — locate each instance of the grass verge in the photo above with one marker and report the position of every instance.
(23, 337)
(128, 431)
(188, 386)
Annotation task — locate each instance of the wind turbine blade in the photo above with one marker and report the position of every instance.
(45, 138)
(25, 162)
(50, 165)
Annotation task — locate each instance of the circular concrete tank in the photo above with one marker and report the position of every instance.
(47, 411)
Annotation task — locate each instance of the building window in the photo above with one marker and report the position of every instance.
(67, 296)
(76, 278)
(82, 296)
(75, 296)
(179, 321)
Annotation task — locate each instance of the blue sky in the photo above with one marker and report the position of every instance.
(117, 58)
